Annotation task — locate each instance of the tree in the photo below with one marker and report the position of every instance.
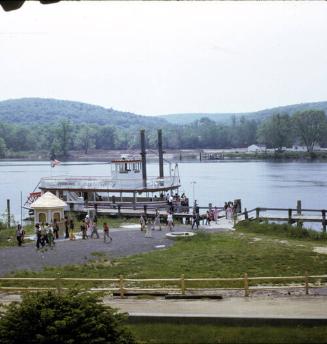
(310, 126)
(276, 131)
(3, 148)
(75, 318)
(63, 136)
(85, 138)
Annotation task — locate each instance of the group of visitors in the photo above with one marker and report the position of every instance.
(230, 210)
(149, 224)
(89, 229)
(177, 203)
(45, 235)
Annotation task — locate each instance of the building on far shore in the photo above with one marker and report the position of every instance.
(257, 148)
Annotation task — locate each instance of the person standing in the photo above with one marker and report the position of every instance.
(51, 242)
(71, 230)
(44, 234)
(94, 230)
(38, 235)
(83, 230)
(170, 221)
(66, 227)
(148, 233)
(55, 229)
(106, 235)
(19, 235)
(157, 220)
(142, 223)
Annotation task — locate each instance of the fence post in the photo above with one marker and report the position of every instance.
(119, 211)
(8, 213)
(121, 286)
(58, 285)
(306, 281)
(323, 214)
(290, 216)
(145, 208)
(246, 214)
(183, 284)
(246, 285)
(299, 207)
(257, 213)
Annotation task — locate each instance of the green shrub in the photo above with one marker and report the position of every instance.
(62, 318)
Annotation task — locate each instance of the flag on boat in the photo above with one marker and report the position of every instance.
(55, 162)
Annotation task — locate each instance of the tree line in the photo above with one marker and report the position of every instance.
(307, 128)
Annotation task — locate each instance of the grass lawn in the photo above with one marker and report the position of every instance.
(167, 333)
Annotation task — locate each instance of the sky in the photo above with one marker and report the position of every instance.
(155, 58)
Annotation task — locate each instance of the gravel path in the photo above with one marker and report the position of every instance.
(125, 242)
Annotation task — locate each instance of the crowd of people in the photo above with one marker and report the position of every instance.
(177, 203)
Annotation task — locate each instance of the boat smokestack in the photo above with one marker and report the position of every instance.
(161, 169)
(143, 155)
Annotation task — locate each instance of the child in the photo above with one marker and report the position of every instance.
(106, 233)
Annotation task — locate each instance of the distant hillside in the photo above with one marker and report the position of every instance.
(186, 118)
(41, 111)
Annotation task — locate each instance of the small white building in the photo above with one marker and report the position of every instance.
(257, 148)
(47, 208)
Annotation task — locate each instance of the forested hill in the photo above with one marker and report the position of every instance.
(45, 111)
(186, 118)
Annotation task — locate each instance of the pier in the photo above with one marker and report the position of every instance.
(290, 215)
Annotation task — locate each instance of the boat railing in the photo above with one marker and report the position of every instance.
(104, 183)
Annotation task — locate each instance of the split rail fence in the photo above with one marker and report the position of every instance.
(122, 285)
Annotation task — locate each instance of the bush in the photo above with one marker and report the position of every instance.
(62, 318)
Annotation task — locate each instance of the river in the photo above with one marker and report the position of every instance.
(256, 183)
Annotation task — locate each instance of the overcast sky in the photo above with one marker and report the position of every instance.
(166, 57)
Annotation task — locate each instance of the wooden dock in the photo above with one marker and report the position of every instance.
(289, 215)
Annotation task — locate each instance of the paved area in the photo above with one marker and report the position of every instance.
(304, 307)
(126, 241)
(301, 307)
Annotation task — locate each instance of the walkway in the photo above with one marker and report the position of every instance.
(304, 307)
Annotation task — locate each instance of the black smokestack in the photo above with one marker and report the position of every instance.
(161, 169)
(143, 155)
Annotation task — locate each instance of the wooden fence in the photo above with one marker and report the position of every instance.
(182, 284)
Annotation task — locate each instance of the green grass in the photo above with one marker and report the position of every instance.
(281, 230)
(165, 333)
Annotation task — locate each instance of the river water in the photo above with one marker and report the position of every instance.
(256, 183)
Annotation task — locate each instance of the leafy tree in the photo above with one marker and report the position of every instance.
(310, 126)
(276, 131)
(105, 137)
(63, 136)
(62, 318)
(85, 138)
(3, 148)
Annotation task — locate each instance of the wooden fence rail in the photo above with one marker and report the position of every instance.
(121, 283)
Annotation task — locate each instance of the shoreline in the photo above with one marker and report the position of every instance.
(186, 155)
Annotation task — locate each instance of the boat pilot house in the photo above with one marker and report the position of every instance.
(128, 186)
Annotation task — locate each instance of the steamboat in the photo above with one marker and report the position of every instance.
(128, 187)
